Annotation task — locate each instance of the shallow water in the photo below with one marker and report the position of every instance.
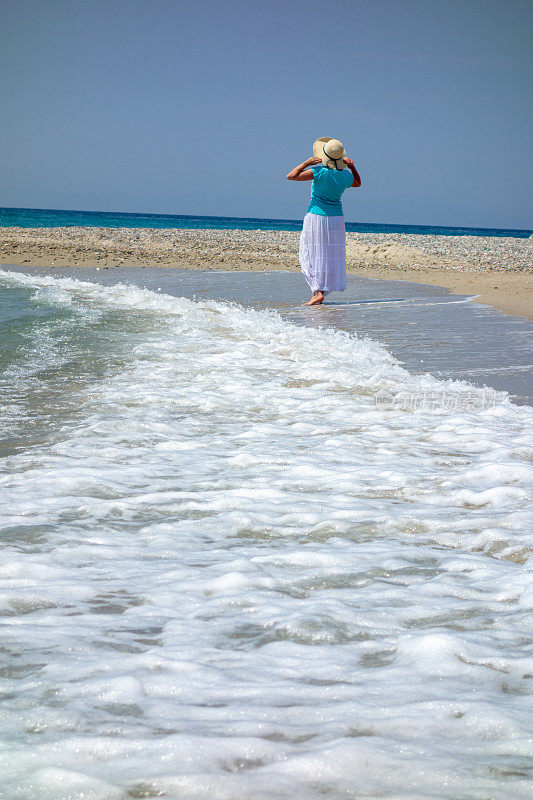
(427, 328)
(229, 573)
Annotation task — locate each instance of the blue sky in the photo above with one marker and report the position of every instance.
(202, 107)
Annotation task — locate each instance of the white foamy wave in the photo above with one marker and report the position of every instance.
(254, 560)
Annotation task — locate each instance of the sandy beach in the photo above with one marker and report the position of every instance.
(498, 270)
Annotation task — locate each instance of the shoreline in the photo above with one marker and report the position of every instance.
(497, 269)
(510, 293)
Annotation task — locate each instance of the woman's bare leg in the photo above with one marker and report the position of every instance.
(318, 297)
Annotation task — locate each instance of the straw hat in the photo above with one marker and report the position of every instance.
(331, 151)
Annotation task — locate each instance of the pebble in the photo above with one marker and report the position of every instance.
(258, 247)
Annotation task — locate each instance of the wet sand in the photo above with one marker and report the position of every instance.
(497, 270)
(510, 292)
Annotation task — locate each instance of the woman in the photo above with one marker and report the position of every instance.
(323, 238)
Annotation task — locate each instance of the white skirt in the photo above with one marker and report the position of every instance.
(323, 253)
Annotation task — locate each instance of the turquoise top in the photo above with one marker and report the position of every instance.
(328, 185)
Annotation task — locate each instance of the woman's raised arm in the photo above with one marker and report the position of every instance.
(356, 177)
(298, 174)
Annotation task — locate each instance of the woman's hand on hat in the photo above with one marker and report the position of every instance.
(348, 162)
(313, 160)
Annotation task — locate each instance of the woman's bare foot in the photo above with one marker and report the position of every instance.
(318, 297)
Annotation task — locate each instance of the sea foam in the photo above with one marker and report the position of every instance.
(230, 570)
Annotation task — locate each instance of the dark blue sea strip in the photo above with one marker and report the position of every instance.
(55, 218)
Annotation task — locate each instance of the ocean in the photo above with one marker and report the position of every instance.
(251, 554)
(49, 218)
